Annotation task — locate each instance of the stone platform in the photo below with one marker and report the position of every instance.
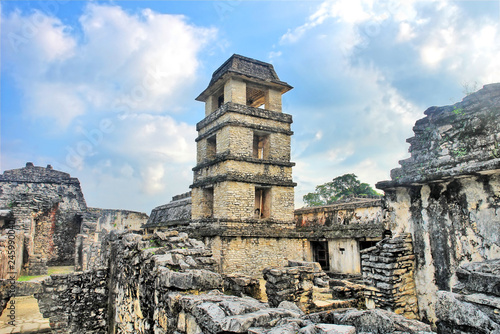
(28, 318)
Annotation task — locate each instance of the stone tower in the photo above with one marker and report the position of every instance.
(243, 176)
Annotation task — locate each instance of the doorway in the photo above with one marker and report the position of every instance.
(320, 254)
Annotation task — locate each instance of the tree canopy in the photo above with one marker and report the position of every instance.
(340, 187)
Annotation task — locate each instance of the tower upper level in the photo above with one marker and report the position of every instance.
(244, 81)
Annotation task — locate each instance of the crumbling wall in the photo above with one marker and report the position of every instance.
(77, 302)
(388, 270)
(354, 211)
(250, 255)
(447, 194)
(162, 284)
(96, 224)
(131, 291)
(474, 304)
(294, 283)
(177, 212)
(11, 246)
(44, 203)
(115, 219)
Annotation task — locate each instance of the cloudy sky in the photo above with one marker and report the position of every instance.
(105, 90)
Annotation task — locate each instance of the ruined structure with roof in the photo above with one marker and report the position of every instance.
(46, 211)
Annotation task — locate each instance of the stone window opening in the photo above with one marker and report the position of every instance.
(262, 203)
(220, 100)
(208, 202)
(260, 145)
(211, 147)
(255, 97)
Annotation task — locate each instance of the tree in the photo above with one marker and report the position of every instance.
(340, 187)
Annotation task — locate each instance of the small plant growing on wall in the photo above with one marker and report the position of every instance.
(458, 111)
(495, 153)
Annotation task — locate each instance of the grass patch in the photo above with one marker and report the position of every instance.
(61, 270)
(51, 270)
(27, 278)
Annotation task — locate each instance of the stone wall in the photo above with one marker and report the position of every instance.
(47, 206)
(117, 219)
(345, 227)
(294, 283)
(250, 255)
(162, 284)
(177, 212)
(388, 270)
(129, 294)
(143, 270)
(76, 303)
(447, 194)
(96, 224)
(11, 246)
(353, 211)
(474, 304)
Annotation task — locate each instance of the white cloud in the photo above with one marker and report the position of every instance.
(346, 11)
(405, 33)
(154, 137)
(123, 62)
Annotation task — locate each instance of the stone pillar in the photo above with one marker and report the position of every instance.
(388, 270)
(273, 100)
(235, 91)
(37, 265)
(210, 105)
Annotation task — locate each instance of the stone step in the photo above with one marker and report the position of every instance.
(331, 304)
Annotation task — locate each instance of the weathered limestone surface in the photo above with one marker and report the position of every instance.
(474, 304)
(447, 194)
(295, 283)
(130, 287)
(177, 212)
(75, 303)
(162, 284)
(454, 140)
(388, 270)
(242, 285)
(96, 224)
(250, 255)
(46, 206)
(354, 211)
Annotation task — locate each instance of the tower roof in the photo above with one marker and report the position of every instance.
(251, 69)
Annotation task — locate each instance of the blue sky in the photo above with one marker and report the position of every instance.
(104, 90)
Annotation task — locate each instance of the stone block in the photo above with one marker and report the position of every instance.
(453, 313)
(334, 329)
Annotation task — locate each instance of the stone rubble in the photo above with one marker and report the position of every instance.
(474, 304)
(165, 283)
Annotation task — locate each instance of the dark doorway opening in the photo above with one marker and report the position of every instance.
(320, 254)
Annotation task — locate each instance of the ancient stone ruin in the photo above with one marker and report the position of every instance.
(45, 211)
(232, 255)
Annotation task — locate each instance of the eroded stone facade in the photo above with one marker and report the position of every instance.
(46, 206)
(447, 194)
(47, 212)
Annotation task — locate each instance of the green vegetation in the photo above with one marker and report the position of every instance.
(28, 278)
(51, 270)
(495, 152)
(458, 153)
(344, 186)
(458, 111)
